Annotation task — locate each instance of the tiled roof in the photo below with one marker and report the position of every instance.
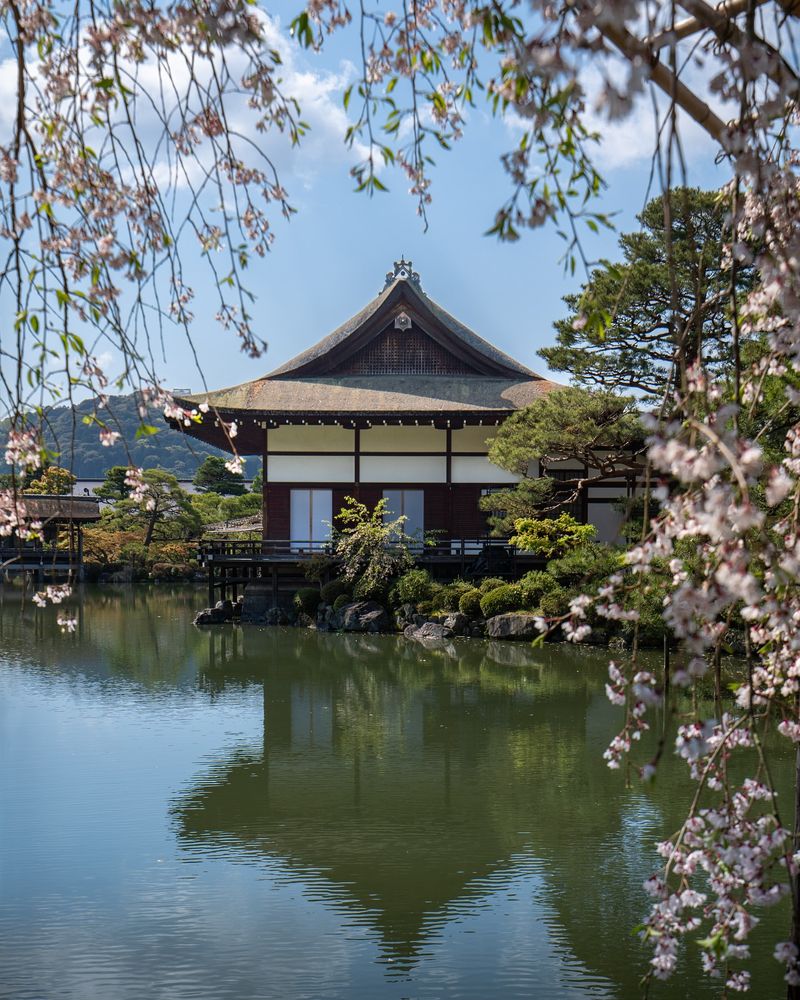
(416, 297)
(384, 394)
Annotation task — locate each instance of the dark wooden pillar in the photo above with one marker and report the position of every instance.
(264, 473)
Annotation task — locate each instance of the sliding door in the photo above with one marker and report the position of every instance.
(311, 516)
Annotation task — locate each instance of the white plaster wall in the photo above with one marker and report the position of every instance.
(396, 439)
(608, 491)
(474, 469)
(310, 438)
(606, 519)
(472, 438)
(310, 469)
(403, 469)
(567, 463)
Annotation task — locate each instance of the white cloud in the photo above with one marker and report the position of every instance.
(318, 91)
(631, 140)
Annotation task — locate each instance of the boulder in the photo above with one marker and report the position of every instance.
(405, 615)
(427, 631)
(276, 616)
(362, 616)
(457, 623)
(210, 616)
(512, 625)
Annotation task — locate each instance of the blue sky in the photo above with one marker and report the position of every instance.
(331, 258)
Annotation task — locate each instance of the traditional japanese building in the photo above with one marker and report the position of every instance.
(398, 402)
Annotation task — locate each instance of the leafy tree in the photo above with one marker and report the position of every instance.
(623, 330)
(214, 477)
(165, 511)
(54, 480)
(600, 430)
(551, 537)
(214, 508)
(372, 549)
(114, 487)
(258, 481)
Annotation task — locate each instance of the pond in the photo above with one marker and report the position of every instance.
(278, 813)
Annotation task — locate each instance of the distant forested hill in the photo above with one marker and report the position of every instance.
(80, 449)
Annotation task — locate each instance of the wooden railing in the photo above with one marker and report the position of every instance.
(490, 553)
(15, 557)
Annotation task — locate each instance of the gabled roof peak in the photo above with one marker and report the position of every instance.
(403, 271)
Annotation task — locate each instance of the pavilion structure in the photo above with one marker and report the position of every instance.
(398, 402)
(57, 552)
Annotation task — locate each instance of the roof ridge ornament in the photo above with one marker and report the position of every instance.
(403, 269)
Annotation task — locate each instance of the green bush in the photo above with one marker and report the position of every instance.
(551, 537)
(555, 602)
(470, 603)
(340, 601)
(370, 589)
(501, 599)
(589, 564)
(449, 597)
(330, 591)
(414, 586)
(307, 599)
(491, 583)
(533, 585)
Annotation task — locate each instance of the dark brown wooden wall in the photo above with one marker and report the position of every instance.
(276, 511)
(468, 520)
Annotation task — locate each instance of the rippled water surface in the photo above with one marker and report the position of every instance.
(276, 813)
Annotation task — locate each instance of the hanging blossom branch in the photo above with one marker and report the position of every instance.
(724, 547)
(134, 149)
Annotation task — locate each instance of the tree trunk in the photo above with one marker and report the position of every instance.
(151, 524)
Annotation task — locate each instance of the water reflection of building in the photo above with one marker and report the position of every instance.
(395, 790)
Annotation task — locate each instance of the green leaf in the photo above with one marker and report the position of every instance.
(146, 430)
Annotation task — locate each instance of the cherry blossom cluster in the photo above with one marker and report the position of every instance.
(121, 148)
(54, 593)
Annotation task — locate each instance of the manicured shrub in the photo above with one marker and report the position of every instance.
(584, 566)
(501, 599)
(450, 595)
(491, 583)
(414, 586)
(341, 600)
(470, 603)
(307, 599)
(555, 602)
(533, 585)
(330, 591)
(551, 537)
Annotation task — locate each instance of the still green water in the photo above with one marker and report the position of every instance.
(277, 813)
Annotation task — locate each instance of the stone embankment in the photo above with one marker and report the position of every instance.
(369, 617)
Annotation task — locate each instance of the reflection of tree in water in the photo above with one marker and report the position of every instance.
(403, 783)
(142, 635)
(406, 781)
